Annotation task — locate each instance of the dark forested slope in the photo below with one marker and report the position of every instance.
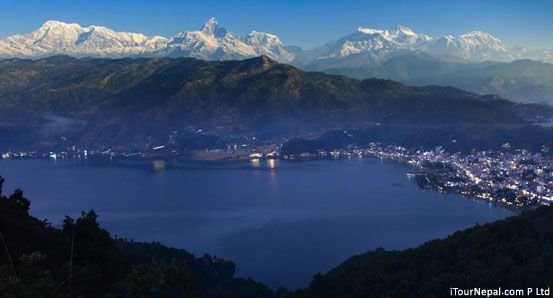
(113, 102)
(515, 253)
(35, 261)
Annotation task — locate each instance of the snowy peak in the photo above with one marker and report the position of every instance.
(480, 35)
(372, 31)
(473, 46)
(483, 39)
(214, 42)
(269, 45)
(55, 37)
(262, 39)
(52, 26)
(55, 34)
(211, 42)
(378, 45)
(210, 24)
(400, 29)
(211, 27)
(523, 52)
(375, 42)
(406, 36)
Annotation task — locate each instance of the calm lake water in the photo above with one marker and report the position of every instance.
(280, 222)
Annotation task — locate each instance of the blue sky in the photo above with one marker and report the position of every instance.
(306, 23)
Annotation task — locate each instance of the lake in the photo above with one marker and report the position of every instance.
(279, 221)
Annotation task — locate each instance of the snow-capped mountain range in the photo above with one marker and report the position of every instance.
(60, 38)
(213, 42)
(373, 46)
(472, 46)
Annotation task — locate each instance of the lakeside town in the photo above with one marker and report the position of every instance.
(514, 178)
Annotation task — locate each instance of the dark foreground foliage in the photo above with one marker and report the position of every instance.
(35, 262)
(515, 253)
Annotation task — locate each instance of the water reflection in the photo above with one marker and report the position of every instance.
(271, 163)
(255, 162)
(159, 165)
(267, 216)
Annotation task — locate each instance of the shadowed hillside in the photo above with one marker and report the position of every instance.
(35, 261)
(127, 101)
(515, 253)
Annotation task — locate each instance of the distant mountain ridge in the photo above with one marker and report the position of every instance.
(211, 42)
(526, 81)
(373, 46)
(395, 54)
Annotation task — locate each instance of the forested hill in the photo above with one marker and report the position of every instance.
(113, 102)
(38, 257)
(515, 253)
(248, 91)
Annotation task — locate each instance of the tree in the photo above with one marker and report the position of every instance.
(18, 201)
(31, 278)
(1, 184)
(160, 279)
(96, 258)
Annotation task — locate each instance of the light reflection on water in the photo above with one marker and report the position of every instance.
(280, 222)
(255, 162)
(159, 165)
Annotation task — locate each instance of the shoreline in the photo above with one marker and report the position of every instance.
(160, 163)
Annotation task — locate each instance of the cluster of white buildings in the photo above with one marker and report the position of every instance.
(516, 178)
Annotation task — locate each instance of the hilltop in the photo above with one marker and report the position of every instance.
(64, 101)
